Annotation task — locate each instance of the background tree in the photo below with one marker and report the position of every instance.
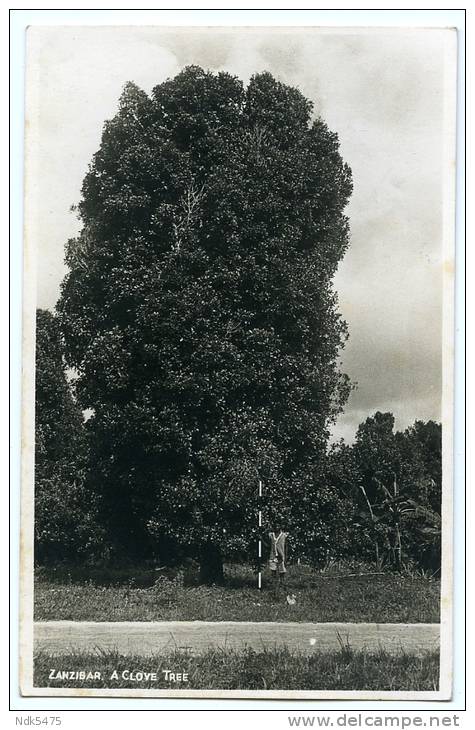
(420, 453)
(64, 528)
(394, 480)
(199, 313)
(420, 446)
(359, 539)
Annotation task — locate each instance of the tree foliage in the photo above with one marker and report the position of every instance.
(198, 310)
(393, 480)
(64, 525)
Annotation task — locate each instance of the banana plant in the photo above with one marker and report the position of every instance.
(391, 513)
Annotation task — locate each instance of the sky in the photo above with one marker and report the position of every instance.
(384, 91)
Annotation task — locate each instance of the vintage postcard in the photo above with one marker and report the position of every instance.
(238, 362)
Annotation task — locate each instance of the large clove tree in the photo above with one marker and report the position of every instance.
(198, 310)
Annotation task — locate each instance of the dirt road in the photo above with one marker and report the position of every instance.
(145, 638)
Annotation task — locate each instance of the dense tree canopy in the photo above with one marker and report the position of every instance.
(58, 418)
(198, 311)
(64, 527)
(392, 483)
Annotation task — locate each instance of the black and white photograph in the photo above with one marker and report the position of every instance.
(238, 362)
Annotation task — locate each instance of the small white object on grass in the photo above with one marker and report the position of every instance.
(291, 600)
(313, 642)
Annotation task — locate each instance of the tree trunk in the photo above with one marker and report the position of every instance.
(211, 564)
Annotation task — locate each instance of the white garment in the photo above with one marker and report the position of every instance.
(277, 551)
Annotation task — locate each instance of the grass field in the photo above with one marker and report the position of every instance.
(320, 596)
(264, 670)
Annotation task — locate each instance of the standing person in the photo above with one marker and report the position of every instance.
(278, 553)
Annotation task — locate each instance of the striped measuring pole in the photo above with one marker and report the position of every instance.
(259, 547)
